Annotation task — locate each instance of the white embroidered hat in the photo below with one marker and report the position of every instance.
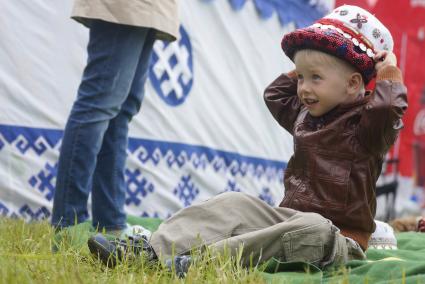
(383, 237)
(366, 24)
(349, 33)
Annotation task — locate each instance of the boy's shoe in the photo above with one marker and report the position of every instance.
(129, 231)
(180, 264)
(111, 252)
(135, 230)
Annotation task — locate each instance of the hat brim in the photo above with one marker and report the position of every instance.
(331, 42)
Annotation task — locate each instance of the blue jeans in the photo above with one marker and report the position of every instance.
(93, 152)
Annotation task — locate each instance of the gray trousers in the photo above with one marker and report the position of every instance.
(231, 220)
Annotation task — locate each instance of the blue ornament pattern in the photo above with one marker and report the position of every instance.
(186, 190)
(300, 12)
(43, 146)
(232, 186)
(266, 196)
(171, 69)
(44, 181)
(137, 187)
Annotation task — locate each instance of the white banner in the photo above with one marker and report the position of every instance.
(203, 127)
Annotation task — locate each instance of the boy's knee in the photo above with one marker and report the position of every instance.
(227, 201)
(230, 196)
(235, 199)
(310, 218)
(310, 241)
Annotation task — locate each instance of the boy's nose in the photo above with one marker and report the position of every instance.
(304, 88)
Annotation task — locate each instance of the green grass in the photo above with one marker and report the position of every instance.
(26, 257)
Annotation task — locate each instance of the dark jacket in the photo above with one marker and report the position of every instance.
(338, 157)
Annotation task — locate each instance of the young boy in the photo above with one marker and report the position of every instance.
(341, 135)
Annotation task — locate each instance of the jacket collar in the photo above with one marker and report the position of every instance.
(319, 121)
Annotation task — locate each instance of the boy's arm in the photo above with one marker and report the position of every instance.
(282, 100)
(381, 119)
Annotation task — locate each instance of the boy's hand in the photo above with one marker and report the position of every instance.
(421, 225)
(384, 58)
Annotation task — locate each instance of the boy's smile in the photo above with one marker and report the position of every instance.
(310, 103)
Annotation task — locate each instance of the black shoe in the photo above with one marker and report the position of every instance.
(113, 251)
(180, 264)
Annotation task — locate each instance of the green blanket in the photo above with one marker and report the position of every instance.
(405, 265)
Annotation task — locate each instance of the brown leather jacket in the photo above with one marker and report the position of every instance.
(338, 156)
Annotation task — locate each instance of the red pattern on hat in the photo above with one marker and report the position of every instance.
(333, 43)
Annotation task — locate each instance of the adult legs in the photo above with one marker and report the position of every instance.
(113, 57)
(108, 193)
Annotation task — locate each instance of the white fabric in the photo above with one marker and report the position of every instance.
(198, 134)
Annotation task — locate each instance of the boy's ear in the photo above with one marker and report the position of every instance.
(355, 83)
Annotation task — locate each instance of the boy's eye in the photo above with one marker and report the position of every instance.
(300, 77)
(316, 77)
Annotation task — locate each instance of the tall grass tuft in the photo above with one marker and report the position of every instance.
(26, 257)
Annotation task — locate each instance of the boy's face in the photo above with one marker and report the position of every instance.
(322, 81)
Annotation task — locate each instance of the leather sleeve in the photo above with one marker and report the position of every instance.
(381, 119)
(282, 100)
